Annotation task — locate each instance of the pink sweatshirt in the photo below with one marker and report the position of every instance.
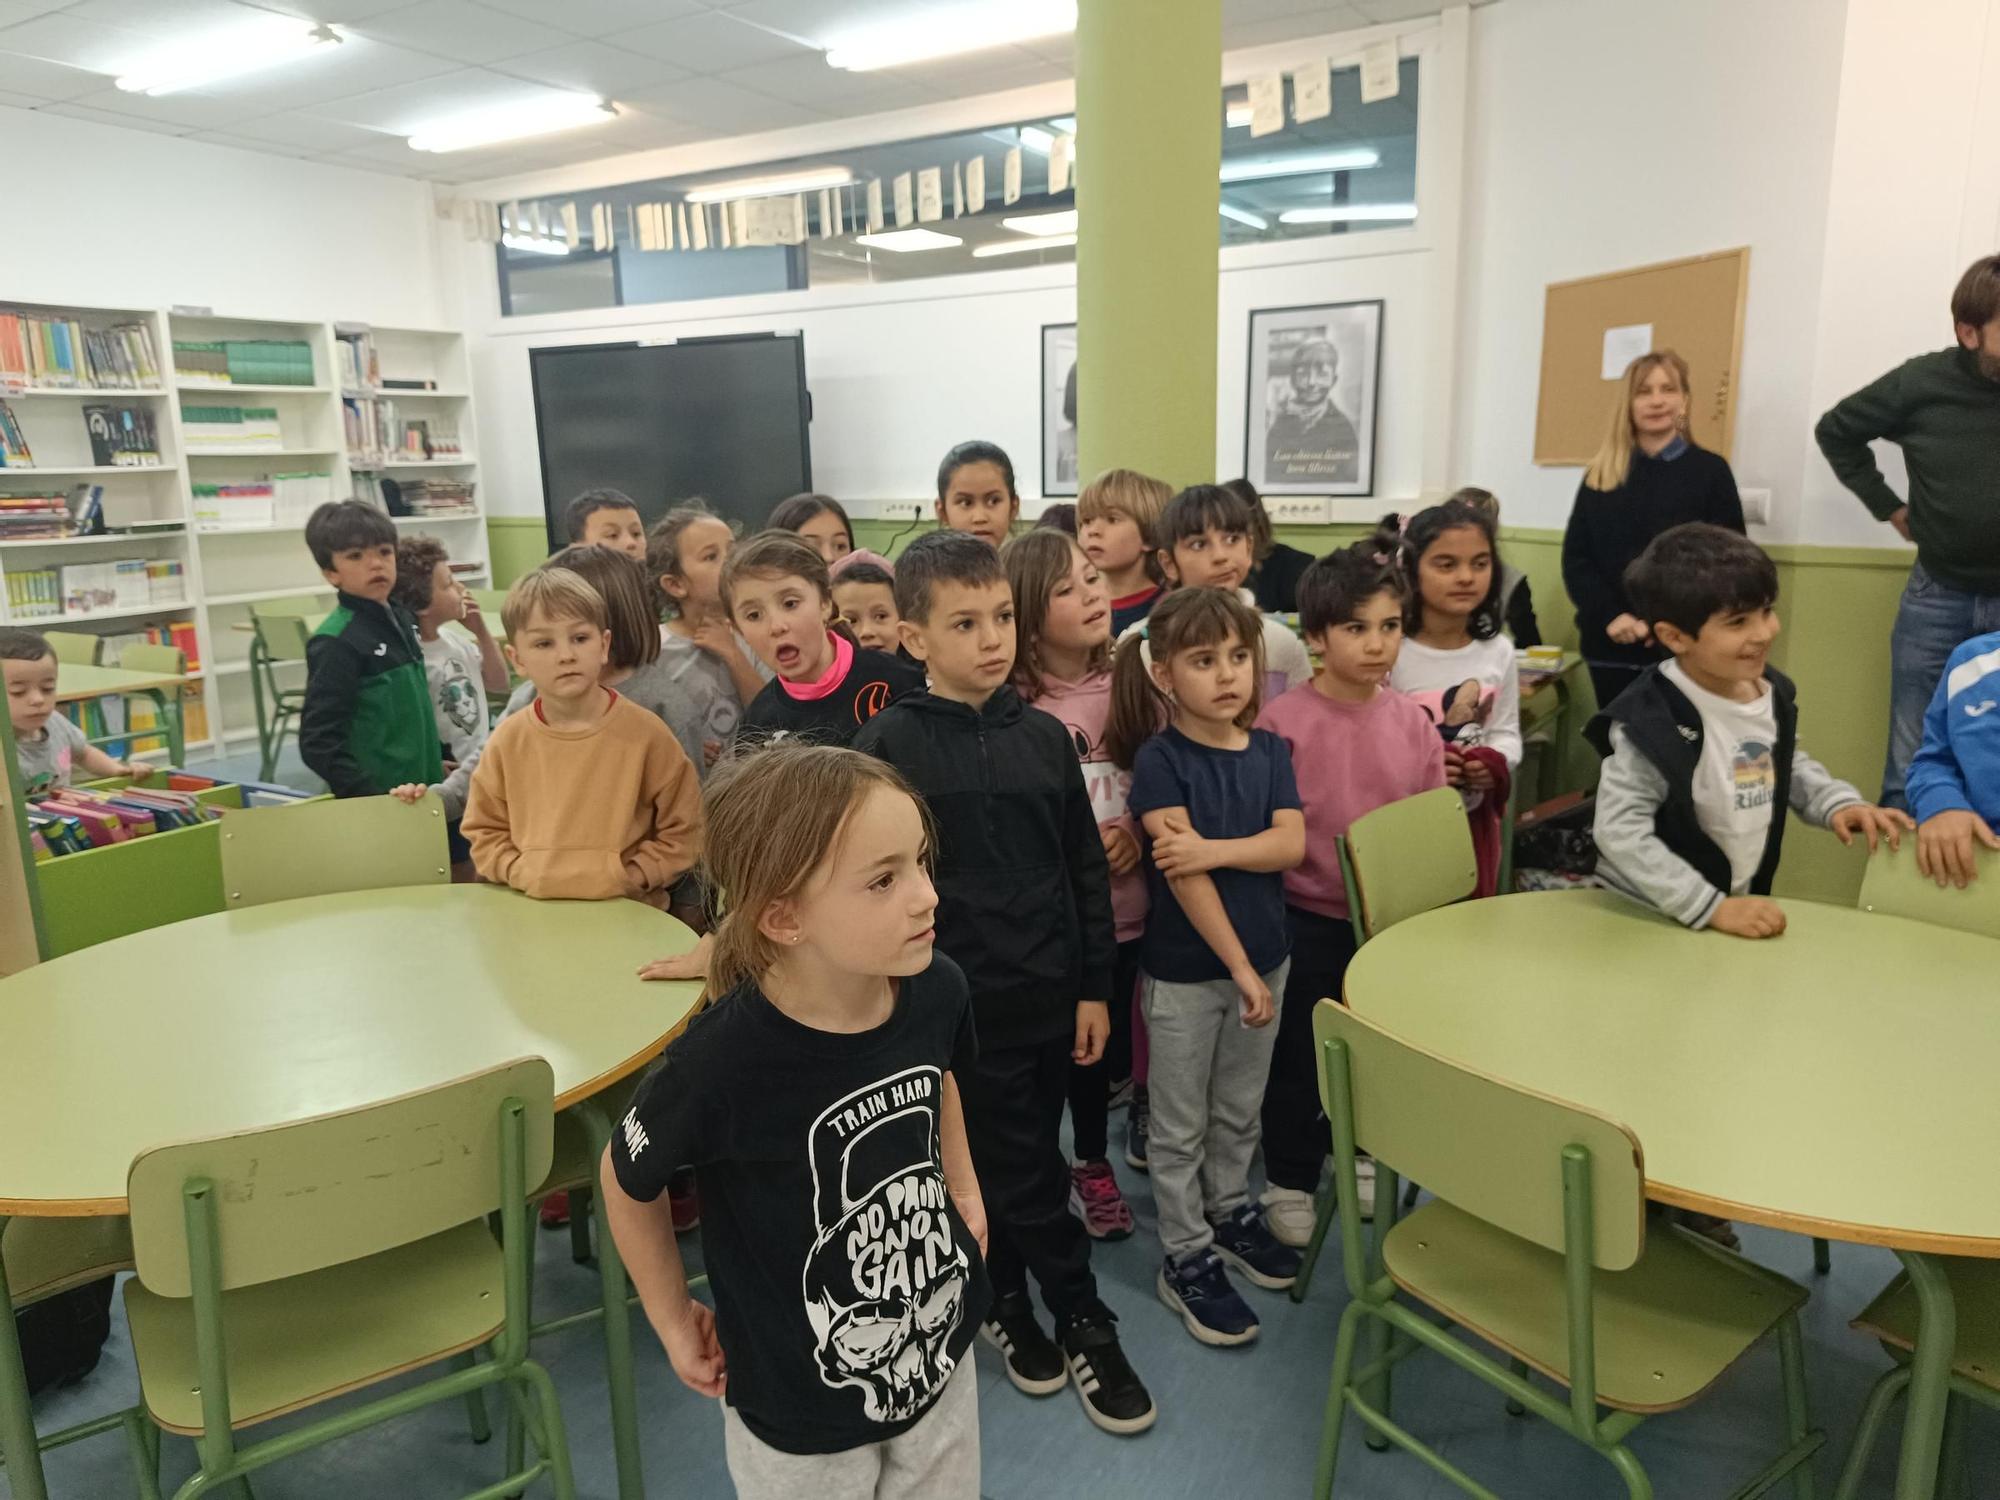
(1349, 759)
(1082, 707)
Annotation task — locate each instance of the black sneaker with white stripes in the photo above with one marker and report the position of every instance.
(1034, 1363)
(1113, 1396)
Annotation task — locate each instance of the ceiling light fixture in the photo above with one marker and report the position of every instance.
(194, 65)
(1351, 213)
(1236, 116)
(534, 244)
(908, 239)
(1037, 139)
(1063, 221)
(1242, 216)
(1021, 247)
(513, 122)
(1299, 164)
(810, 180)
(949, 32)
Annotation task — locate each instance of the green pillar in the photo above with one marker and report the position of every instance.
(1149, 146)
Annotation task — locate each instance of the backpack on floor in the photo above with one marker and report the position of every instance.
(1554, 838)
(63, 1336)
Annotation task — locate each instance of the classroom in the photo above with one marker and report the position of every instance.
(960, 749)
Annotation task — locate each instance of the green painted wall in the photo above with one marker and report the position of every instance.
(516, 544)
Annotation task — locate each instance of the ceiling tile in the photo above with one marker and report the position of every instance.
(711, 43)
(723, 108)
(1396, 10)
(807, 80)
(249, 143)
(404, 106)
(1321, 22)
(163, 18)
(303, 132)
(596, 17)
(190, 110)
(126, 122)
(358, 65)
(64, 38)
(594, 67)
(1317, 15)
(49, 80)
(339, 12)
(21, 10)
(821, 21)
(1000, 68)
(23, 101)
(462, 31)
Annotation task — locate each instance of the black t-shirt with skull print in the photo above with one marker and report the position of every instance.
(846, 1286)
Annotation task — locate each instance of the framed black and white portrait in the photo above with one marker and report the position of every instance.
(1059, 475)
(1315, 372)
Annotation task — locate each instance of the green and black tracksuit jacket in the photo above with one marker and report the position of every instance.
(367, 723)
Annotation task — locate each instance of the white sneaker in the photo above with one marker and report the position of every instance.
(1364, 1186)
(1288, 1214)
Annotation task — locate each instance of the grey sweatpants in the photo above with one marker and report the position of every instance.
(938, 1459)
(1206, 1083)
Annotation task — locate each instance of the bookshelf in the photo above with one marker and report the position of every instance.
(201, 507)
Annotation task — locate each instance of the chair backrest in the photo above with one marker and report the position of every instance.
(74, 648)
(284, 637)
(1893, 887)
(305, 606)
(320, 848)
(165, 661)
(1488, 1148)
(321, 1192)
(1410, 857)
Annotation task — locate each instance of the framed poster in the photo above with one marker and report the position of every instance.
(1059, 476)
(1309, 418)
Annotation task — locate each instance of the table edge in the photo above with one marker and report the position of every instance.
(1884, 1236)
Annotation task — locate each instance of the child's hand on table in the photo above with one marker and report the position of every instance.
(694, 1350)
(1872, 823)
(692, 964)
(1749, 917)
(1945, 849)
(1121, 850)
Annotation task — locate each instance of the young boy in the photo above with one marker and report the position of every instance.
(1702, 753)
(1024, 906)
(864, 591)
(460, 672)
(366, 725)
(584, 795)
(1116, 519)
(48, 746)
(1954, 779)
(606, 518)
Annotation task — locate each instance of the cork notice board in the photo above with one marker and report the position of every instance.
(1693, 306)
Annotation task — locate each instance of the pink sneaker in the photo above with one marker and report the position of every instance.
(1094, 1195)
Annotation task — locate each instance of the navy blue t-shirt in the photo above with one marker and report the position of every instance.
(1229, 794)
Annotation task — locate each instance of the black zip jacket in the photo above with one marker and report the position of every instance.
(1024, 895)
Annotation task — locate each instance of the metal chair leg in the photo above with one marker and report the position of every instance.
(1822, 1257)
(1322, 1221)
(579, 1225)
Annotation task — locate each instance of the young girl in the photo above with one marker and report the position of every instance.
(1356, 746)
(1221, 817)
(821, 520)
(776, 589)
(845, 1233)
(1062, 665)
(698, 649)
(1457, 665)
(1117, 517)
(975, 492)
(864, 591)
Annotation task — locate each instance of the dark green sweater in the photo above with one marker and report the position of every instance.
(1945, 416)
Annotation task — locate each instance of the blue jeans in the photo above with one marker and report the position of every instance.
(1933, 621)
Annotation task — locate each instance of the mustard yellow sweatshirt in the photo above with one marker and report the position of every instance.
(584, 812)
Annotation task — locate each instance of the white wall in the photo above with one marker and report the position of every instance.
(99, 215)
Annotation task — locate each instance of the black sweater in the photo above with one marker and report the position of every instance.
(873, 680)
(1608, 530)
(1024, 894)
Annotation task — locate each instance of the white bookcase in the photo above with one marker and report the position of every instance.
(229, 570)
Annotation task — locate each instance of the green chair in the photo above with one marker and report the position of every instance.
(280, 1268)
(1975, 1364)
(322, 847)
(74, 648)
(280, 642)
(1536, 1244)
(1893, 887)
(162, 661)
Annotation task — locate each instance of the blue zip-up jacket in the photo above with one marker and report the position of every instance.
(1959, 764)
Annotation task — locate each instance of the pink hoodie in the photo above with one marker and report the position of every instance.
(1082, 708)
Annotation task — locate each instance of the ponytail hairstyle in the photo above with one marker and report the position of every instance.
(1612, 465)
(780, 554)
(773, 816)
(663, 550)
(1183, 620)
(1406, 542)
(628, 602)
(1036, 562)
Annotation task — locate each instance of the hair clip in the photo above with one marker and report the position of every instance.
(1145, 630)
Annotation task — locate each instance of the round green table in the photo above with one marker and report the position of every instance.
(248, 1019)
(1842, 1080)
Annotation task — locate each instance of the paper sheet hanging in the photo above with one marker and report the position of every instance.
(1312, 92)
(1059, 155)
(906, 205)
(1010, 178)
(1622, 346)
(958, 190)
(1267, 104)
(930, 195)
(1381, 78)
(700, 221)
(875, 219)
(570, 233)
(975, 185)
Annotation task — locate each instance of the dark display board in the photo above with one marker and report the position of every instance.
(726, 419)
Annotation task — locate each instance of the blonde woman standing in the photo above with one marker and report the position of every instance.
(1647, 476)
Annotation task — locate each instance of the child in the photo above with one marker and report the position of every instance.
(864, 590)
(821, 520)
(699, 649)
(975, 492)
(460, 672)
(1024, 906)
(1060, 517)
(1355, 746)
(1277, 568)
(1954, 780)
(1517, 600)
(606, 518)
(583, 796)
(48, 746)
(778, 594)
(844, 1227)
(1220, 811)
(366, 724)
(1117, 518)
(1702, 751)
(1062, 665)
(1457, 665)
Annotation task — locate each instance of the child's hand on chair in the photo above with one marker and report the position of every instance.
(411, 792)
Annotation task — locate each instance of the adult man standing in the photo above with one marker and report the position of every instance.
(1943, 411)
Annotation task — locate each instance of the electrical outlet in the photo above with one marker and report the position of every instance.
(1756, 506)
(1296, 510)
(887, 510)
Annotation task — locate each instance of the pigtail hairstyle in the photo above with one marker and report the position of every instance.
(1185, 619)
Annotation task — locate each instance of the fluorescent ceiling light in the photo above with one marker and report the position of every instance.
(1061, 222)
(1236, 116)
(908, 239)
(810, 180)
(1351, 213)
(512, 122)
(1242, 216)
(1019, 247)
(214, 58)
(1299, 163)
(950, 31)
(535, 244)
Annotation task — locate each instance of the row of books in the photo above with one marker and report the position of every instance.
(124, 437)
(112, 719)
(51, 515)
(360, 369)
(376, 435)
(260, 504)
(61, 354)
(79, 588)
(244, 362)
(14, 450)
(434, 497)
(231, 429)
(71, 819)
(179, 633)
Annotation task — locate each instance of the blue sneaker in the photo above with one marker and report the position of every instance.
(1246, 1242)
(1198, 1289)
